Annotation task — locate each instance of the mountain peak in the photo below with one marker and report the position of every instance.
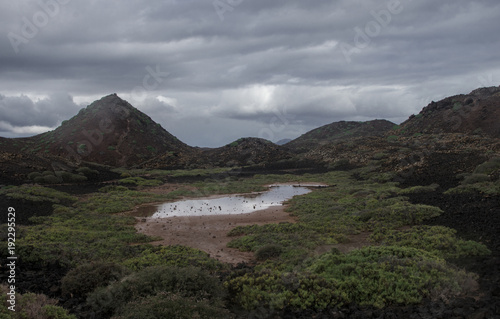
(110, 131)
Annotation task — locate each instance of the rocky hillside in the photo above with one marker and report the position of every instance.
(109, 131)
(242, 152)
(246, 151)
(475, 113)
(338, 131)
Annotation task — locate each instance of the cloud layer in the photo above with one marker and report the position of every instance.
(213, 71)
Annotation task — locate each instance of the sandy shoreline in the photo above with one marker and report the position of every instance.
(209, 233)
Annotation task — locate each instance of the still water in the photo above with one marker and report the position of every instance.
(233, 204)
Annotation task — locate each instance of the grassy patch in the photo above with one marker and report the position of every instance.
(180, 256)
(439, 240)
(187, 282)
(372, 276)
(139, 181)
(31, 305)
(115, 201)
(38, 194)
(72, 237)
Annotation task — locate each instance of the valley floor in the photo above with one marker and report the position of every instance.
(326, 254)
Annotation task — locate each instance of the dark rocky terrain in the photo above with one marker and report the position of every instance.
(474, 113)
(109, 131)
(338, 131)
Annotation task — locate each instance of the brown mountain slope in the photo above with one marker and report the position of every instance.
(242, 152)
(338, 131)
(246, 151)
(475, 113)
(109, 131)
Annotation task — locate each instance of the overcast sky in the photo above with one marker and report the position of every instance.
(213, 71)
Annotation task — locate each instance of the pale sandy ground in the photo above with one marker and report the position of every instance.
(209, 233)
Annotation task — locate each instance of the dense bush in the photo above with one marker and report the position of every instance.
(268, 251)
(186, 282)
(488, 167)
(372, 276)
(86, 278)
(419, 189)
(34, 175)
(31, 306)
(439, 240)
(119, 200)
(399, 214)
(47, 179)
(379, 276)
(38, 194)
(180, 256)
(88, 172)
(475, 178)
(70, 177)
(73, 237)
(168, 305)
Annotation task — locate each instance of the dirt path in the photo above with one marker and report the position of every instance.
(209, 233)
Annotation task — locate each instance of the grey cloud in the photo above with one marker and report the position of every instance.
(427, 51)
(22, 111)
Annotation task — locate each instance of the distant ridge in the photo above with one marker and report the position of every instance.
(338, 131)
(475, 113)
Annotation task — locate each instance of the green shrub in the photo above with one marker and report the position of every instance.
(339, 164)
(55, 312)
(169, 305)
(48, 173)
(47, 179)
(186, 282)
(85, 278)
(398, 215)
(111, 148)
(38, 194)
(380, 276)
(489, 166)
(30, 305)
(180, 256)
(89, 173)
(70, 177)
(268, 251)
(419, 189)
(439, 240)
(34, 175)
(379, 156)
(475, 178)
(125, 175)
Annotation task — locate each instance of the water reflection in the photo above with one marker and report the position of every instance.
(234, 204)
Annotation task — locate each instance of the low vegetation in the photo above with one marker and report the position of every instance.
(121, 275)
(31, 305)
(180, 256)
(185, 289)
(485, 179)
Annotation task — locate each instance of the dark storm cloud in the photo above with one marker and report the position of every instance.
(234, 69)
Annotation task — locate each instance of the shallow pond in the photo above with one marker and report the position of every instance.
(232, 204)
